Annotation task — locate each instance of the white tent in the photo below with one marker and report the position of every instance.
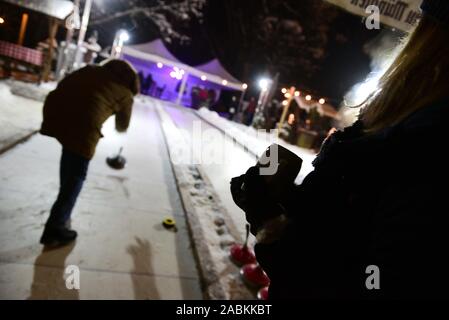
(156, 52)
(215, 67)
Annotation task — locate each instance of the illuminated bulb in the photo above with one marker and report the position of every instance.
(284, 91)
(204, 78)
(322, 101)
(224, 82)
(297, 93)
(118, 49)
(264, 84)
(308, 97)
(244, 86)
(160, 65)
(124, 36)
(287, 95)
(284, 103)
(2, 21)
(177, 73)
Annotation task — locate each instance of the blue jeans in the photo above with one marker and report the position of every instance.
(73, 171)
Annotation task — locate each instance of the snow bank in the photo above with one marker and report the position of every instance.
(257, 141)
(19, 117)
(31, 91)
(212, 229)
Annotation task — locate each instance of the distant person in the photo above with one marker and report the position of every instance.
(194, 95)
(92, 48)
(74, 114)
(160, 91)
(141, 76)
(250, 110)
(203, 96)
(274, 113)
(240, 116)
(148, 83)
(211, 98)
(233, 107)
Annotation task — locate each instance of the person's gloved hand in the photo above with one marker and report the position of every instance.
(250, 192)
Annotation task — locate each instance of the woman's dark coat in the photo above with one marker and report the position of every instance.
(379, 199)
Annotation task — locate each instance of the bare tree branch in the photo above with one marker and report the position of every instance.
(162, 14)
(129, 12)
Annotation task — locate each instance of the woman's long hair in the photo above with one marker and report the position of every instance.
(418, 77)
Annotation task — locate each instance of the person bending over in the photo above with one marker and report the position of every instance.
(74, 114)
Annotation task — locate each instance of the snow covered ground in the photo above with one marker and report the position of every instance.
(19, 117)
(123, 251)
(37, 92)
(203, 178)
(218, 133)
(213, 229)
(124, 209)
(256, 141)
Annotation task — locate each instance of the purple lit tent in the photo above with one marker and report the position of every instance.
(174, 79)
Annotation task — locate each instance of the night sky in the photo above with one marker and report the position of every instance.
(311, 44)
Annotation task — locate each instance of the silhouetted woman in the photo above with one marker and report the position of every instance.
(372, 220)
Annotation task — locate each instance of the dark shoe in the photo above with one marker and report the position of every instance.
(57, 236)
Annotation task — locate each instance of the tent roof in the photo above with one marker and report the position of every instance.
(59, 9)
(156, 51)
(215, 67)
(156, 47)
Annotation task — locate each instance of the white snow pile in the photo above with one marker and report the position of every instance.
(30, 90)
(19, 117)
(257, 141)
(213, 231)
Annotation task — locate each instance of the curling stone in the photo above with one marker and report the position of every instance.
(241, 254)
(169, 223)
(118, 162)
(254, 276)
(262, 294)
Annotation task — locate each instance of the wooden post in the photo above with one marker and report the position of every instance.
(182, 89)
(82, 31)
(53, 28)
(286, 108)
(23, 28)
